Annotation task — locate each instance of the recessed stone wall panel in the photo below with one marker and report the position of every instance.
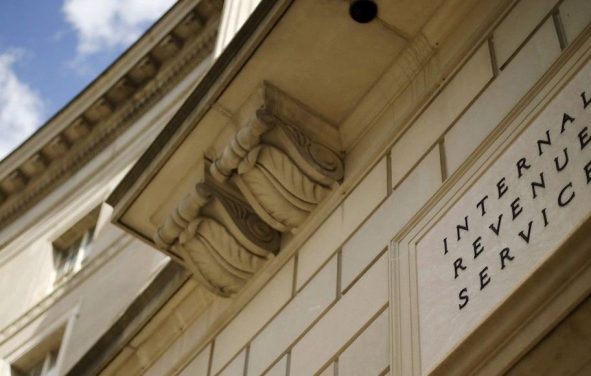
(343, 321)
(516, 213)
(236, 367)
(388, 219)
(575, 16)
(342, 222)
(198, 366)
(517, 25)
(253, 317)
(357, 360)
(284, 329)
(440, 114)
(502, 95)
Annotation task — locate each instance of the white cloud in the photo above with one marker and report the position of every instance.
(104, 24)
(21, 108)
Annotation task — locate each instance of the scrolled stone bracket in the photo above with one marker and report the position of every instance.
(217, 237)
(244, 140)
(281, 171)
(268, 177)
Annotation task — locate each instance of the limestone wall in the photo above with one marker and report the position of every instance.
(78, 311)
(328, 309)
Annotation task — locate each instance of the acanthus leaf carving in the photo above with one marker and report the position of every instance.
(284, 174)
(315, 159)
(268, 178)
(217, 257)
(218, 238)
(242, 221)
(278, 190)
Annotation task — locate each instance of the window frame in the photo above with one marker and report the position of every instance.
(55, 337)
(67, 262)
(72, 248)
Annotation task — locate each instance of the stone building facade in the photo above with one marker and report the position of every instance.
(328, 188)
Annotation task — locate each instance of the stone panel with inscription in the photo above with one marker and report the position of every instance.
(520, 209)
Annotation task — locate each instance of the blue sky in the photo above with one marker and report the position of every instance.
(51, 49)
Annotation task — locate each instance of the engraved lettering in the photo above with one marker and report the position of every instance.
(566, 118)
(481, 206)
(535, 184)
(516, 208)
(496, 228)
(524, 236)
(545, 217)
(588, 172)
(505, 255)
(458, 265)
(502, 187)
(584, 138)
(484, 278)
(521, 165)
(544, 142)
(585, 100)
(462, 227)
(477, 245)
(561, 200)
(464, 299)
(561, 166)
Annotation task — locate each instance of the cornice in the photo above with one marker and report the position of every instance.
(60, 148)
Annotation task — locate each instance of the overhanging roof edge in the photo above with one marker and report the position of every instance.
(195, 101)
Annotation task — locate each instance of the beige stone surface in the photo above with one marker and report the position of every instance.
(575, 16)
(93, 299)
(329, 52)
(198, 366)
(564, 351)
(369, 354)
(253, 316)
(501, 96)
(184, 345)
(329, 371)
(343, 321)
(440, 114)
(283, 330)
(236, 366)
(443, 322)
(517, 25)
(279, 369)
(388, 219)
(342, 222)
(365, 197)
(408, 16)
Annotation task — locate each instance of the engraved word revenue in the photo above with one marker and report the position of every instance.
(525, 170)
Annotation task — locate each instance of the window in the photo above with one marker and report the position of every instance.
(44, 367)
(39, 356)
(70, 260)
(71, 250)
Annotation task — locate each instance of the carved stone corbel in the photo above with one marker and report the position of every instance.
(217, 237)
(281, 171)
(269, 176)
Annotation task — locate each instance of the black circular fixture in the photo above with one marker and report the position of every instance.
(363, 11)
